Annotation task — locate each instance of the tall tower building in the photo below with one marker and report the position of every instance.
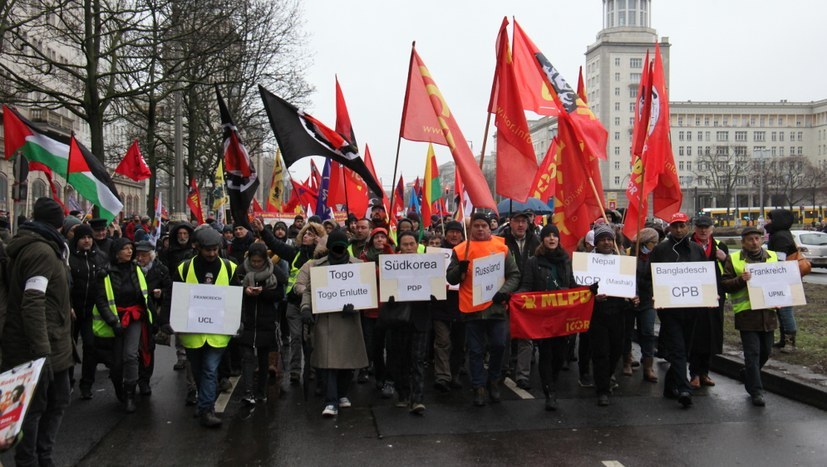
(614, 63)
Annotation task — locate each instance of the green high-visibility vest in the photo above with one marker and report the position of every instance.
(740, 299)
(99, 326)
(294, 273)
(196, 341)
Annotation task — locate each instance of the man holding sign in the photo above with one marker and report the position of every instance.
(204, 350)
(487, 274)
(756, 326)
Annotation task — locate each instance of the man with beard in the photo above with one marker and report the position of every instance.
(103, 241)
(361, 231)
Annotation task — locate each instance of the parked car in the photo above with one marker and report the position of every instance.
(813, 244)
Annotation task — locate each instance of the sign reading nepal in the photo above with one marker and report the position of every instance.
(207, 309)
(775, 285)
(615, 275)
(681, 285)
(333, 287)
(538, 315)
(412, 277)
(488, 275)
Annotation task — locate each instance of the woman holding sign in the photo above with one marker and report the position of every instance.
(548, 270)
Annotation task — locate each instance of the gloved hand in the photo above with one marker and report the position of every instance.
(391, 300)
(348, 310)
(464, 264)
(307, 315)
(167, 329)
(434, 299)
(593, 288)
(501, 297)
(118, 329)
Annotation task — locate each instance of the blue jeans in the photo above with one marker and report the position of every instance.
(204, 362)
(645, 316)
(786, 320)
(757, 346)
(496, 330)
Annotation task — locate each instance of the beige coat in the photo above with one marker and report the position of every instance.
(338, 342)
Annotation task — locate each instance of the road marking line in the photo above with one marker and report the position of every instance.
(224, 397)
(510, 384)
(612, 464)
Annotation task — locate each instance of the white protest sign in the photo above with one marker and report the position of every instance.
(205, 308)
(681, 285)
(487, 276)
(412, 277)
(775, 284)
(616, 275)
(17, 387)
(446, 252)
(333, 287)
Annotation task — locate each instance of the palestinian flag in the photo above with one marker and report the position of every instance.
(52, 150)
(88, 175)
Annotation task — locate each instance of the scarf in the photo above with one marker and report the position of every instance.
(263, 276)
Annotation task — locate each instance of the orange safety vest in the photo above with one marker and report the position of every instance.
(476, 250)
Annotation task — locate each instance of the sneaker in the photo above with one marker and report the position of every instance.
(210, 420)
(402, 403)
(586, 381)
(192, 398)
(418, 408)
(387, 390)
(330, 411)
(685, 399)
(224, 385)
(523, 384)
(603, 400)
(758, 400)
(344, 403)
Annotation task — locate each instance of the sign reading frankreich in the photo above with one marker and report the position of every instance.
(412, 277)
(775, 285)
(333, 287)
(682, 285)
(616, 275)
(488, 275)
(205, 309)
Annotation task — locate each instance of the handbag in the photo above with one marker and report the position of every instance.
(804, 265)
(394, 315)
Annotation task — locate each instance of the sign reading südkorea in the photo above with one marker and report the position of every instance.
(615, 275)
(488, 275)
(412, 277)
(538, 315)
(333, 287)
(206, 309)
(775, 285)
(681, 285)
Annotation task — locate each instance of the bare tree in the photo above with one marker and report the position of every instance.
(789, 179)
(722, 169)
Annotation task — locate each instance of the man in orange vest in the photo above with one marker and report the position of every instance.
(487, 319)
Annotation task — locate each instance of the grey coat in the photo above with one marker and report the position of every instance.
(338, 342)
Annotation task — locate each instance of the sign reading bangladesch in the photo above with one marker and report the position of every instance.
(412, 277)
(206, 309)
(616, 275)
(775, 285)
(487, 276)
(682, 285)
(447, 253)
(333, 287)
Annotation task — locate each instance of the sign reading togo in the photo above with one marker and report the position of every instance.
(333, 287)
(681, 285)
(412, 277)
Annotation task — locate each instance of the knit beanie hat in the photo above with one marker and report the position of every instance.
(48, 211)
(603, 230)
(337, 237)
(83, 230)
(549, 229)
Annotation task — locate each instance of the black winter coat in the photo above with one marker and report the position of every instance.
(529, 245)
(537, 274)
(781, 240)
(259, 314)
(84, 267)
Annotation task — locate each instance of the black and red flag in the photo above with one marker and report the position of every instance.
(300, 135)
(239, 174)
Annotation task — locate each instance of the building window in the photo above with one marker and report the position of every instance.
(617, 165)
(4, 192)
(617, 106)
(633, 93)
(697, 121)
(800, 151)
(617, 91)
(759, 136)
(689, 136)
(689, 150)
(617, 121)
(680, 150)
(617, 61)
(631, 106)
(617, 76)
(680, 165)
(740, 136)
(617, 180)
(38, 189)
(635, 78)
(740, 151)
(781, 136)
(781, 151)
(800, 135)
(635, 63)
(706, 121)
(680, 136)
(617, 136)
(722, 136)
(700, 136)
(631, 121)
(617, 150)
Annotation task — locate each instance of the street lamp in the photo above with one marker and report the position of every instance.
(761, 155)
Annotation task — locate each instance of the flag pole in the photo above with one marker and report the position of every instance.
(399, 139)
(485, 138)
(640, 206)
(344, 182)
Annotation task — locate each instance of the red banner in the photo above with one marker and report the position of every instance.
(538, 315)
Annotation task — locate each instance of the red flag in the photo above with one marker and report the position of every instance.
(426, 117)
(545, 180)
(637, 191)
(336, 188)
(575, 205)
(432, 191)
(642, 110)
(398, 200)
(657, 152)
(581, 86)
(194, 202)
(515, 153)
(343, 125)
(369, 164)
(302, 195)
(257, 207)
(533, 90)
(240, 175)
(38, 167)
(133, 165)
(315, 176)
(539, 315)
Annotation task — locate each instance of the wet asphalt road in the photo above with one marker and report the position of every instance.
(639, 428)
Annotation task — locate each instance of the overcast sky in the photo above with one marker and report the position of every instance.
(741, 50)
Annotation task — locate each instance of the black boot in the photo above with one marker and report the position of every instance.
(781, 342)
(791, 341)
(119, 391)
(129, 392)
(551, 397)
